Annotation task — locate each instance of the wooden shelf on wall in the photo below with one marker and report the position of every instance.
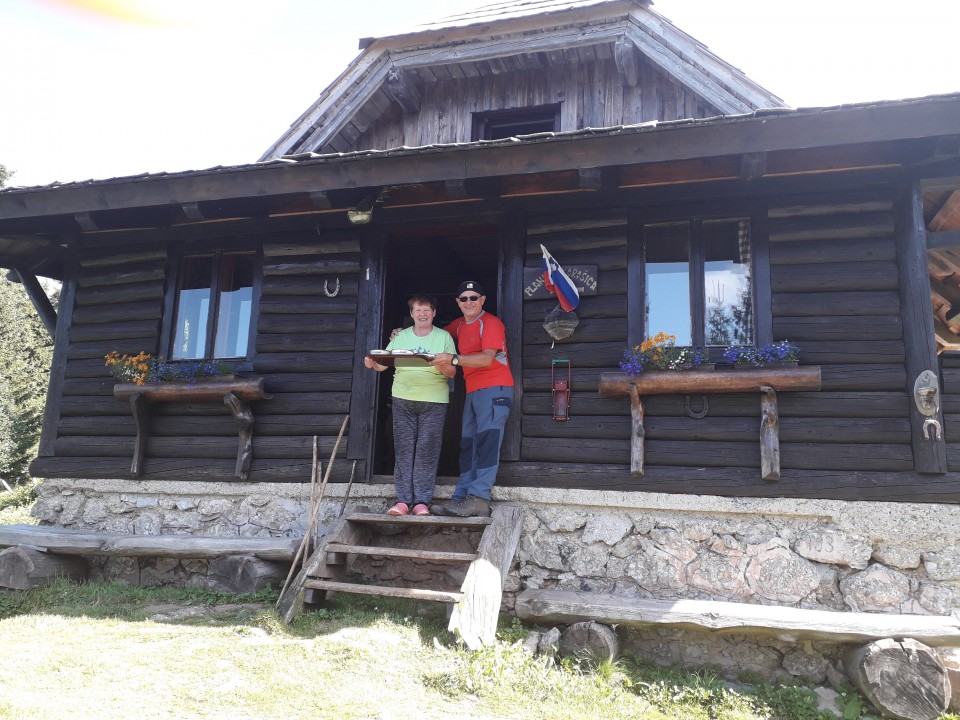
(766, 381)
(233, 392)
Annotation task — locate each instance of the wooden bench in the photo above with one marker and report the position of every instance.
(786, 623)
(38, 554)
(766, 381)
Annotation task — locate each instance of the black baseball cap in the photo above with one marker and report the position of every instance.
(470, 285)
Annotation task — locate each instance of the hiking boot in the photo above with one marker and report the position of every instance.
(399, 509)
(470, 506)
(420, 509)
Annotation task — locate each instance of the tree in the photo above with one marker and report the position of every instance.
(26, 350)
(4, 175)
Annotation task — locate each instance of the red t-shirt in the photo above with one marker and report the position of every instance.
(484, 333)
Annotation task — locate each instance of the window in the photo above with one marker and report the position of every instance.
(499, 124)
(698, 281)
(214, 306)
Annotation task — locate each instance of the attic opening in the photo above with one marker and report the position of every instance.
(499, 124)
(433, 261)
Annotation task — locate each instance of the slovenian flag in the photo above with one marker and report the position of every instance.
(559, 283)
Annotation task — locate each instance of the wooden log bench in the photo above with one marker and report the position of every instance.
(786, 623)
(235, 393)
(766, 381)
(36, 554)
(891, 659)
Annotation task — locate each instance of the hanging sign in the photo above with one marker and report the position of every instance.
(534, 287)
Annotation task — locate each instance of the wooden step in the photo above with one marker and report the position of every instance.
(434, 555)
(411, 593)
(421, 520)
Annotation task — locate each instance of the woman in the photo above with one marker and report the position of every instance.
(420, 397)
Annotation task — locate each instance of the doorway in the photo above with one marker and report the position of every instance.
(433, 261)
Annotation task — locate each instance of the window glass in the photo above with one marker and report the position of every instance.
(193, 308)
(728, 312)
(234, 307)
(214, 306)
(667, 252)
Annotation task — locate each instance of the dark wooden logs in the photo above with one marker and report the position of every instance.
(22, 568)
(244, 574)
(592, 640)
(903, 679)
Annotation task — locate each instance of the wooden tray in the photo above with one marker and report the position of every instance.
(400, 359)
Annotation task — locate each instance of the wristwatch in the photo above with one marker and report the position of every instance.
(455, 360)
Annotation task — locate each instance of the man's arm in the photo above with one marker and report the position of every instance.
(474, 360)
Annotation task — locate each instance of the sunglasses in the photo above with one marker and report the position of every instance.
(468, 298)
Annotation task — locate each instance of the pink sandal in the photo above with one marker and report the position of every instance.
(399, 509)
(421, 509)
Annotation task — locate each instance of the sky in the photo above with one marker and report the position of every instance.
(110, 88)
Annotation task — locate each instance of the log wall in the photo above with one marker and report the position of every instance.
(590, 94)
(834, 292)
(304, 344)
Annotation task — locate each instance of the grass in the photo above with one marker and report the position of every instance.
(108, 651)
(99, 651)
(15, 505)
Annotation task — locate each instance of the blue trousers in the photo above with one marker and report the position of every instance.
(485, 414)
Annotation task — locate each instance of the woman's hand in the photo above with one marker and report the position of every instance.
(372, 365)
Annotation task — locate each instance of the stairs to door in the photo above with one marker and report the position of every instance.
(476, 603)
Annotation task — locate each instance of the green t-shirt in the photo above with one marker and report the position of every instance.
(415, 379)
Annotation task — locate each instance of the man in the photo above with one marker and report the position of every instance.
(482, 353)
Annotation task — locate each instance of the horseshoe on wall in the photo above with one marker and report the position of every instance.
(328, 292)
(699, 414)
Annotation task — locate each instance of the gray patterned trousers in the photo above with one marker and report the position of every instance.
(417, 436)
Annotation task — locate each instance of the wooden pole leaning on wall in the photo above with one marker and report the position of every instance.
(289, 591)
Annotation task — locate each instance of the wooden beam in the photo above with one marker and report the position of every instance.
(563, 606)
(919, 339)
(86, 222)
(41, 303)
(67, 541)
(799, 129)
(948, 216)
(699, 382)
(753, 165)
(625, 56)
(402, 91)
(942, 239)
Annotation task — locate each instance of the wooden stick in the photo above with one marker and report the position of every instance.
(314, 511)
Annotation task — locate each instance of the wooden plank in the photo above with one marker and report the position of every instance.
(66, 541)
(393, 552)
(475, 615)
(400, 592)
(420, 520)
(562, 606)
(831, 327)
(618, 384)
(58, 364)
(872, 275)
(918, 335)
(512, 244)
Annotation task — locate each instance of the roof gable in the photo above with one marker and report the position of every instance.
(531, 37)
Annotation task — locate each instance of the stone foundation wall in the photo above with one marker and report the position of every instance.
(828, 555)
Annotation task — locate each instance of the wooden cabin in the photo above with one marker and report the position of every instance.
(687, 198)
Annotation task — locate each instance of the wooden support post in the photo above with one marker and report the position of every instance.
(919, 339)
(902, 678)
(474, 617)
(23, 568)
(244, 415)
(638, 433)
(769, 434)
(141, 415)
